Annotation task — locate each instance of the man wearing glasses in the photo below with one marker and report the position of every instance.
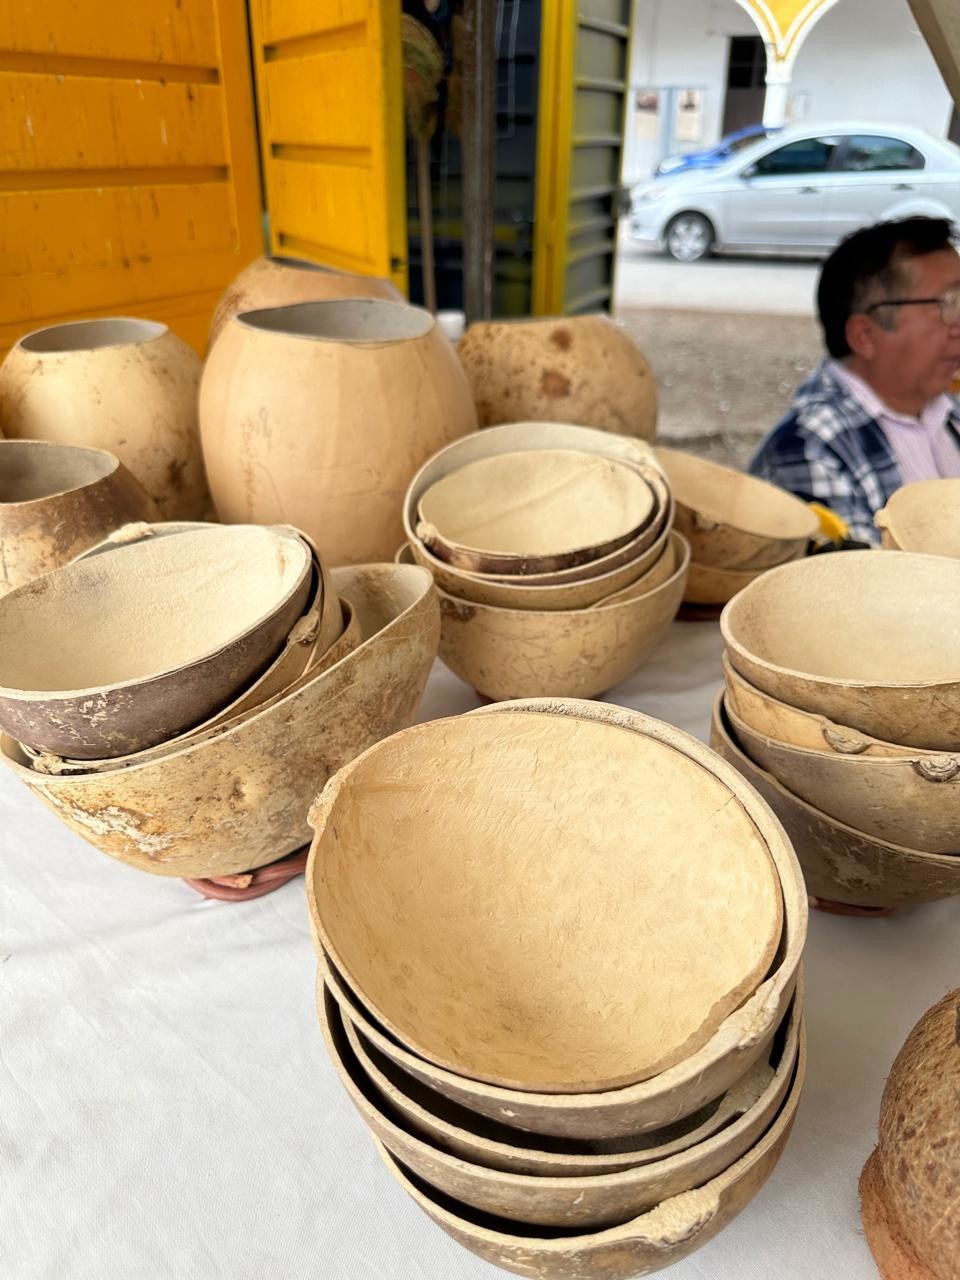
(876, 414)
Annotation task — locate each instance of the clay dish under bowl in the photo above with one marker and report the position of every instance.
(569, 1201)
(666, 1234)
(865, 639)
(534, 1009)
(559, 1190)
(116, 653)
(915, 799)
(841, 864)
(733, 520)
(534, 511)
(774, 719)
(924, 517)
(237, 798)
(55, 501)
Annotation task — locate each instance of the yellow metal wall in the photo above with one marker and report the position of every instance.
(330, 100)
(128, 163)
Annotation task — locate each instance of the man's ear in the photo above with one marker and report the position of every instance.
(860, 333)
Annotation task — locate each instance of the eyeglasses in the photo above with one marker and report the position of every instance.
(948, 302)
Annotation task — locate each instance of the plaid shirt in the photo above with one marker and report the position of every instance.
(828, 449)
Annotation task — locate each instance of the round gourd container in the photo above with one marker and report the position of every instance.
(671, 1231)
(279, 281)
(535, 1010)
(923, 516)
(534, 511)
(235, 800)
(841, 864)
(55, 501)
(585, 369)
(115, 653)
(865, 639)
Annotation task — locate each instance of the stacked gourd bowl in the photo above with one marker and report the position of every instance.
(567, 1007)
(738, 527)
(176, 693)
(842, 707)
(553, 554)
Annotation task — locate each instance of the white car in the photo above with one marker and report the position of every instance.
(800, 191)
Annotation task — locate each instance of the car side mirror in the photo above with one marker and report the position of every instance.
(749, 172)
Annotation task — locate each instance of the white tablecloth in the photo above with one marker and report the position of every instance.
(167, 1110)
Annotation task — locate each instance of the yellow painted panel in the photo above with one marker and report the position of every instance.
(70, 122)
(314, 100)
(155, 31)
(128, 163)
(126, 225)
(290, 19)
(330, 93)
(330, 208)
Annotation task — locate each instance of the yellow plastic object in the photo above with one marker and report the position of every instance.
(330, 101)
(831, 526)
(128, 181)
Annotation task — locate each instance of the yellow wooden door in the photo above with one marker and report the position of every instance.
(584, 74)
(330, 108)
(128, 162)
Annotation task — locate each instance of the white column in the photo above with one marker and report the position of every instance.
(778, 91)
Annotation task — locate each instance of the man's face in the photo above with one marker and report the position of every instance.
(916, 350)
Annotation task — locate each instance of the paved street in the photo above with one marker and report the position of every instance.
(724, 372)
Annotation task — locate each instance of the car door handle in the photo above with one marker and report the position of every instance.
(903, 186)
(809, 191)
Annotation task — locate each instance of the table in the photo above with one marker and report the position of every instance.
(167, 1111)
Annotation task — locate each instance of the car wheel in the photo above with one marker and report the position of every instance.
(689, 237)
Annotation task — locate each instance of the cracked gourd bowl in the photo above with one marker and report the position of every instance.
(236, 800)
(561, 1199)
(55, 501)
(671, 1231)
(582, 965)
(841, 864)
(675, 1093)
(865, 639)
(115, 653)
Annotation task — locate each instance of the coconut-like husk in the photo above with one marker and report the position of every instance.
(839, 863)
(278, 281)
(671, 1231)
(867, 640)
(555, 977)
(775, 719)
(924, 517)
(733, 520)
(534, 511)
(318, 415)
(513, 653)
(116, 653)
(908, 1189)
(121, 384)
(55, 501)
(560, 369)
(236, 800)
(915, 799)
(571, 1202)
